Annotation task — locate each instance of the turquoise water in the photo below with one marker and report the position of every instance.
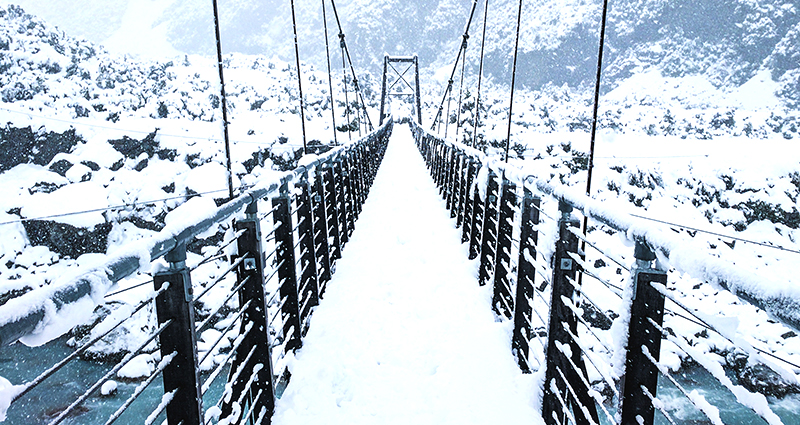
(730, 411)
(19, 363)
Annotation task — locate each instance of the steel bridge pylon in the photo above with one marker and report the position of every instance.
(388, 63)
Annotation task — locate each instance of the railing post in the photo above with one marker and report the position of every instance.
(523, 310)
(341, 199)
(563, 323)
(440, 152)
(176, 304)
(489, 230)
(287, 273)
(429, 152)
(355, 180)
(643, 335)
(452, 178)
(476, 220)
(458, 196)
(257, 340)
(349, 196)
(308, 286)
(321, 244)
(332, 210)
(362, 173)
(503, 298)
(448, 177)
(468, 201)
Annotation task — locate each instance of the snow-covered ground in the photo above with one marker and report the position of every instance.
(675, 148)
(405, 334)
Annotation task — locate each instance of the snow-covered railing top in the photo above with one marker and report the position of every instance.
(45, 312)
(781, 301)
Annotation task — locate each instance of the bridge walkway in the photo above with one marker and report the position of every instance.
(405, 334)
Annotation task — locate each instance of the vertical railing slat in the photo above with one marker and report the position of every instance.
(181, 375)
(523, 312)
(489, 230)
(503, 296)
(287, 273)
(563, 322)
(255, 315)
(647, 304)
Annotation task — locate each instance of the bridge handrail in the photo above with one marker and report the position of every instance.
(499, 209)
(672, 250)
(29, 313)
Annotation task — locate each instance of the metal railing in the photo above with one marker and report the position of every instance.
(268, 291)
(594, 337)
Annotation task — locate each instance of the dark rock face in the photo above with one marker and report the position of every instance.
(758, 377)
(597, 318)
(61, 167)
(23, 145)
(66, 240)
(132, 148)
(761, 379)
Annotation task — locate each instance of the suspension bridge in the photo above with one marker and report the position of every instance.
(407, 277)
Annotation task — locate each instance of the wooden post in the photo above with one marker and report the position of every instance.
(308, 287)
(564, 269)
(257, 340)
(332, 210)
(647, 304)
(341, 198)
(523, 311)
(489, 230)
(469, 177)
(476, 220)
(503, 298)
(181, 375)
(321, 244)
(287, 272)
(458, 196)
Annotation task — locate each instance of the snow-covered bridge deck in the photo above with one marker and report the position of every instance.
(405, 333)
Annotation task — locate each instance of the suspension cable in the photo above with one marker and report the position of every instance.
(513, 79)
(461, 49)
(603, 21)
(597, 96)
(299, 81)
(461, 86)
(449, 99)
(342, 46)
(224, 101)
(330, 78)
(352, 69)
(476, 119)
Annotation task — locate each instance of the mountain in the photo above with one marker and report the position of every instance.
(727, 42)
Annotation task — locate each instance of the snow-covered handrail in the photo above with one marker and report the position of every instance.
(37, 311)
(495, 205)
(672, 250)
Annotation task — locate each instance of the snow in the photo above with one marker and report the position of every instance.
(405, 334)
(108, 388)
(7, 393)
(139, 367)
(190, 212)
(61, 205)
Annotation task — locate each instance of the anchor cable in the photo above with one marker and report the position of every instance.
(476, 119)
(513, 80)
(224, 101)
(461, 48)
(330, 78)
(299, 82)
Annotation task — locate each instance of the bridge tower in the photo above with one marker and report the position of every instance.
(400, 77)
